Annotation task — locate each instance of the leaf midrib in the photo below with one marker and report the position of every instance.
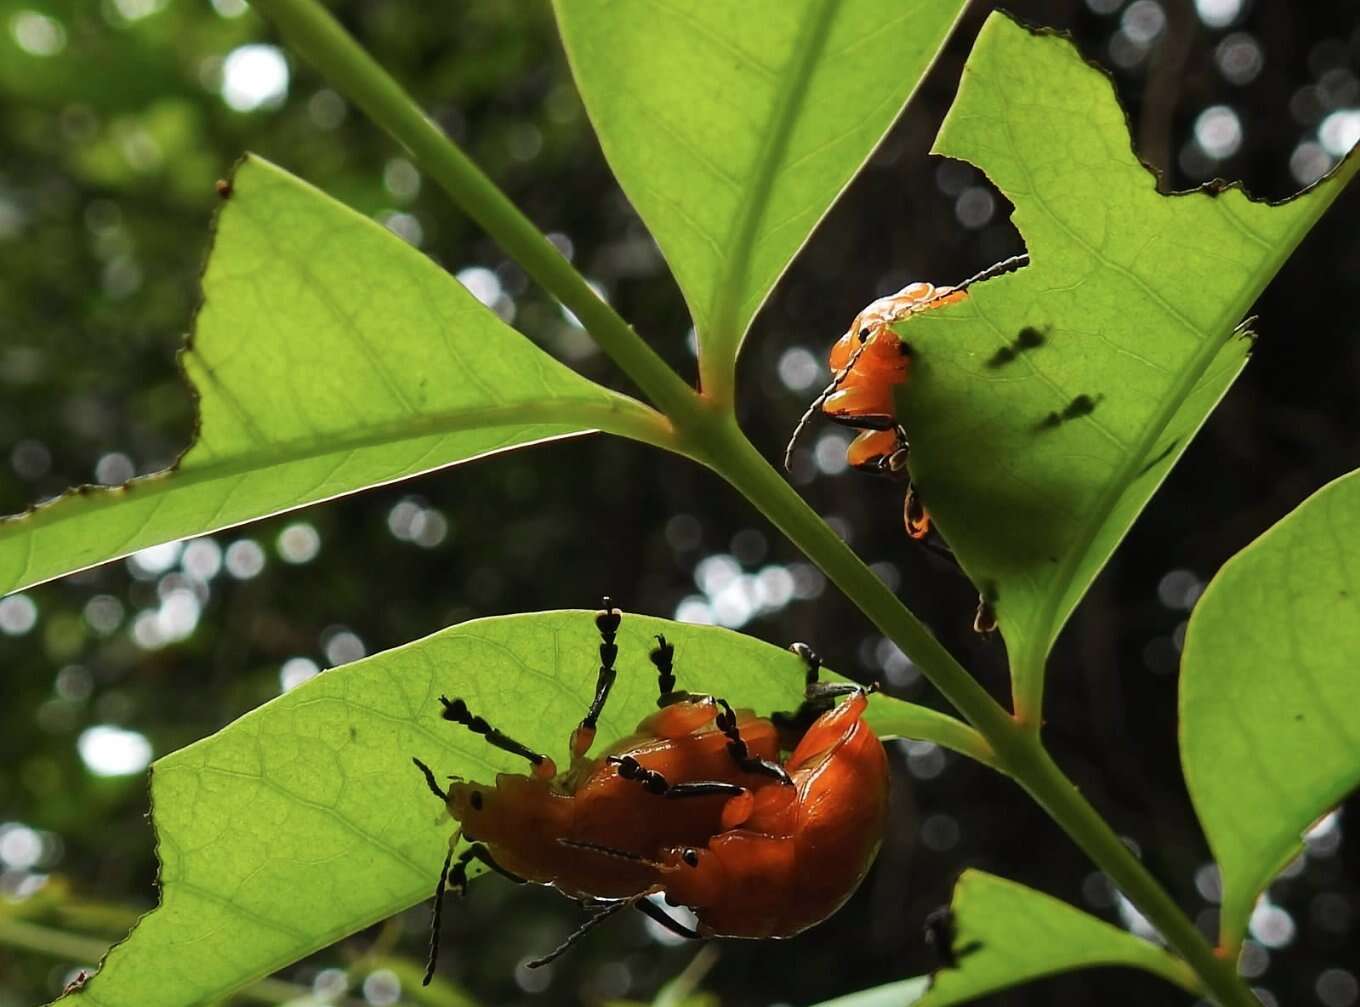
(793, 84)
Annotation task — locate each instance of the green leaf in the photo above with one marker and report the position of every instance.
(1018, 934)
(1035, 459)
(1270, 699)
(328, 356)
(305, 821)
(740, 126)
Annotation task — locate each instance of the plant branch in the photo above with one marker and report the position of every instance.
(1019, 752)
(313, 33)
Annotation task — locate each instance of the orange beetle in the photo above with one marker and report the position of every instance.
(803, 850)
(541, 827)
(788, 857)
(868, 363)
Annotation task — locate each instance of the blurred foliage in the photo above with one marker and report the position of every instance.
(109, 147)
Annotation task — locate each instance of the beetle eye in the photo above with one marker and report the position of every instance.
(690, 857)
(475, 799)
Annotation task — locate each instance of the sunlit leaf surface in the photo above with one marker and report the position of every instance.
(1270, 694)
(305, 820)
(328, 356)
(1046, 409)
(742, 124)
(1017, 934)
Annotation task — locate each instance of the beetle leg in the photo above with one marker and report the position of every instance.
(458, 878)
(654, 912)
(662, 658)
(456, 711)
(654, 783)
(607, 622)
(726, 722)
(590, 924)
(430, 780)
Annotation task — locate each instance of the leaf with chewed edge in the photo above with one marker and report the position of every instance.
(733, 127)
(1007, 934)
(304, 820)
(1270, 693)
(328, 356)
(1046, 409)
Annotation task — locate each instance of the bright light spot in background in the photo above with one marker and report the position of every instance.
(382, 988)
(245, 559)
(18, 615)
(897, 667)
(1104, 6)
(405, 226)
(481, 283)
(112, 751)
(230, 8)
(295, 671)
(1340, 131)
(563, 244)
(1218, 13)
(829, 452)
(1253, 960)
(411, 521)
(1133, 920)
(1324, 838)
(254, 76)
(135, 10)
(37, 34)
(925, 759)
(327, 109)
(401, 179)
(174, 620)
(299, 543)
(575, 322)
(114, 469)
(1208, 883)
(798, 369)
(1239, 58)
(150, 563)
(1309, 162)
(1218, 131)
(1179, 590)
(1143, 21)
(342, 646)
(20, 847)
(104, 614)
(714, 573)
(974, 207)
(202, 559)
(1271, 925)
(329, 984)
(73, 683)
(1337, 988)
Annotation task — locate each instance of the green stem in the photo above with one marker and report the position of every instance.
(80, 949)
(1019, 752)
(311, 31)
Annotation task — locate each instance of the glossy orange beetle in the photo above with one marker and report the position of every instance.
(867, 364)
(541, 827)
(788, 857)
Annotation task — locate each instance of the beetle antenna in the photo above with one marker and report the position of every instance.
(609, 851)
(995, 269)
(585, 928)
(817, 403)
(435, 918)
(430, 780)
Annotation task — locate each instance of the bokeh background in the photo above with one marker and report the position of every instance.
(117, 116)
